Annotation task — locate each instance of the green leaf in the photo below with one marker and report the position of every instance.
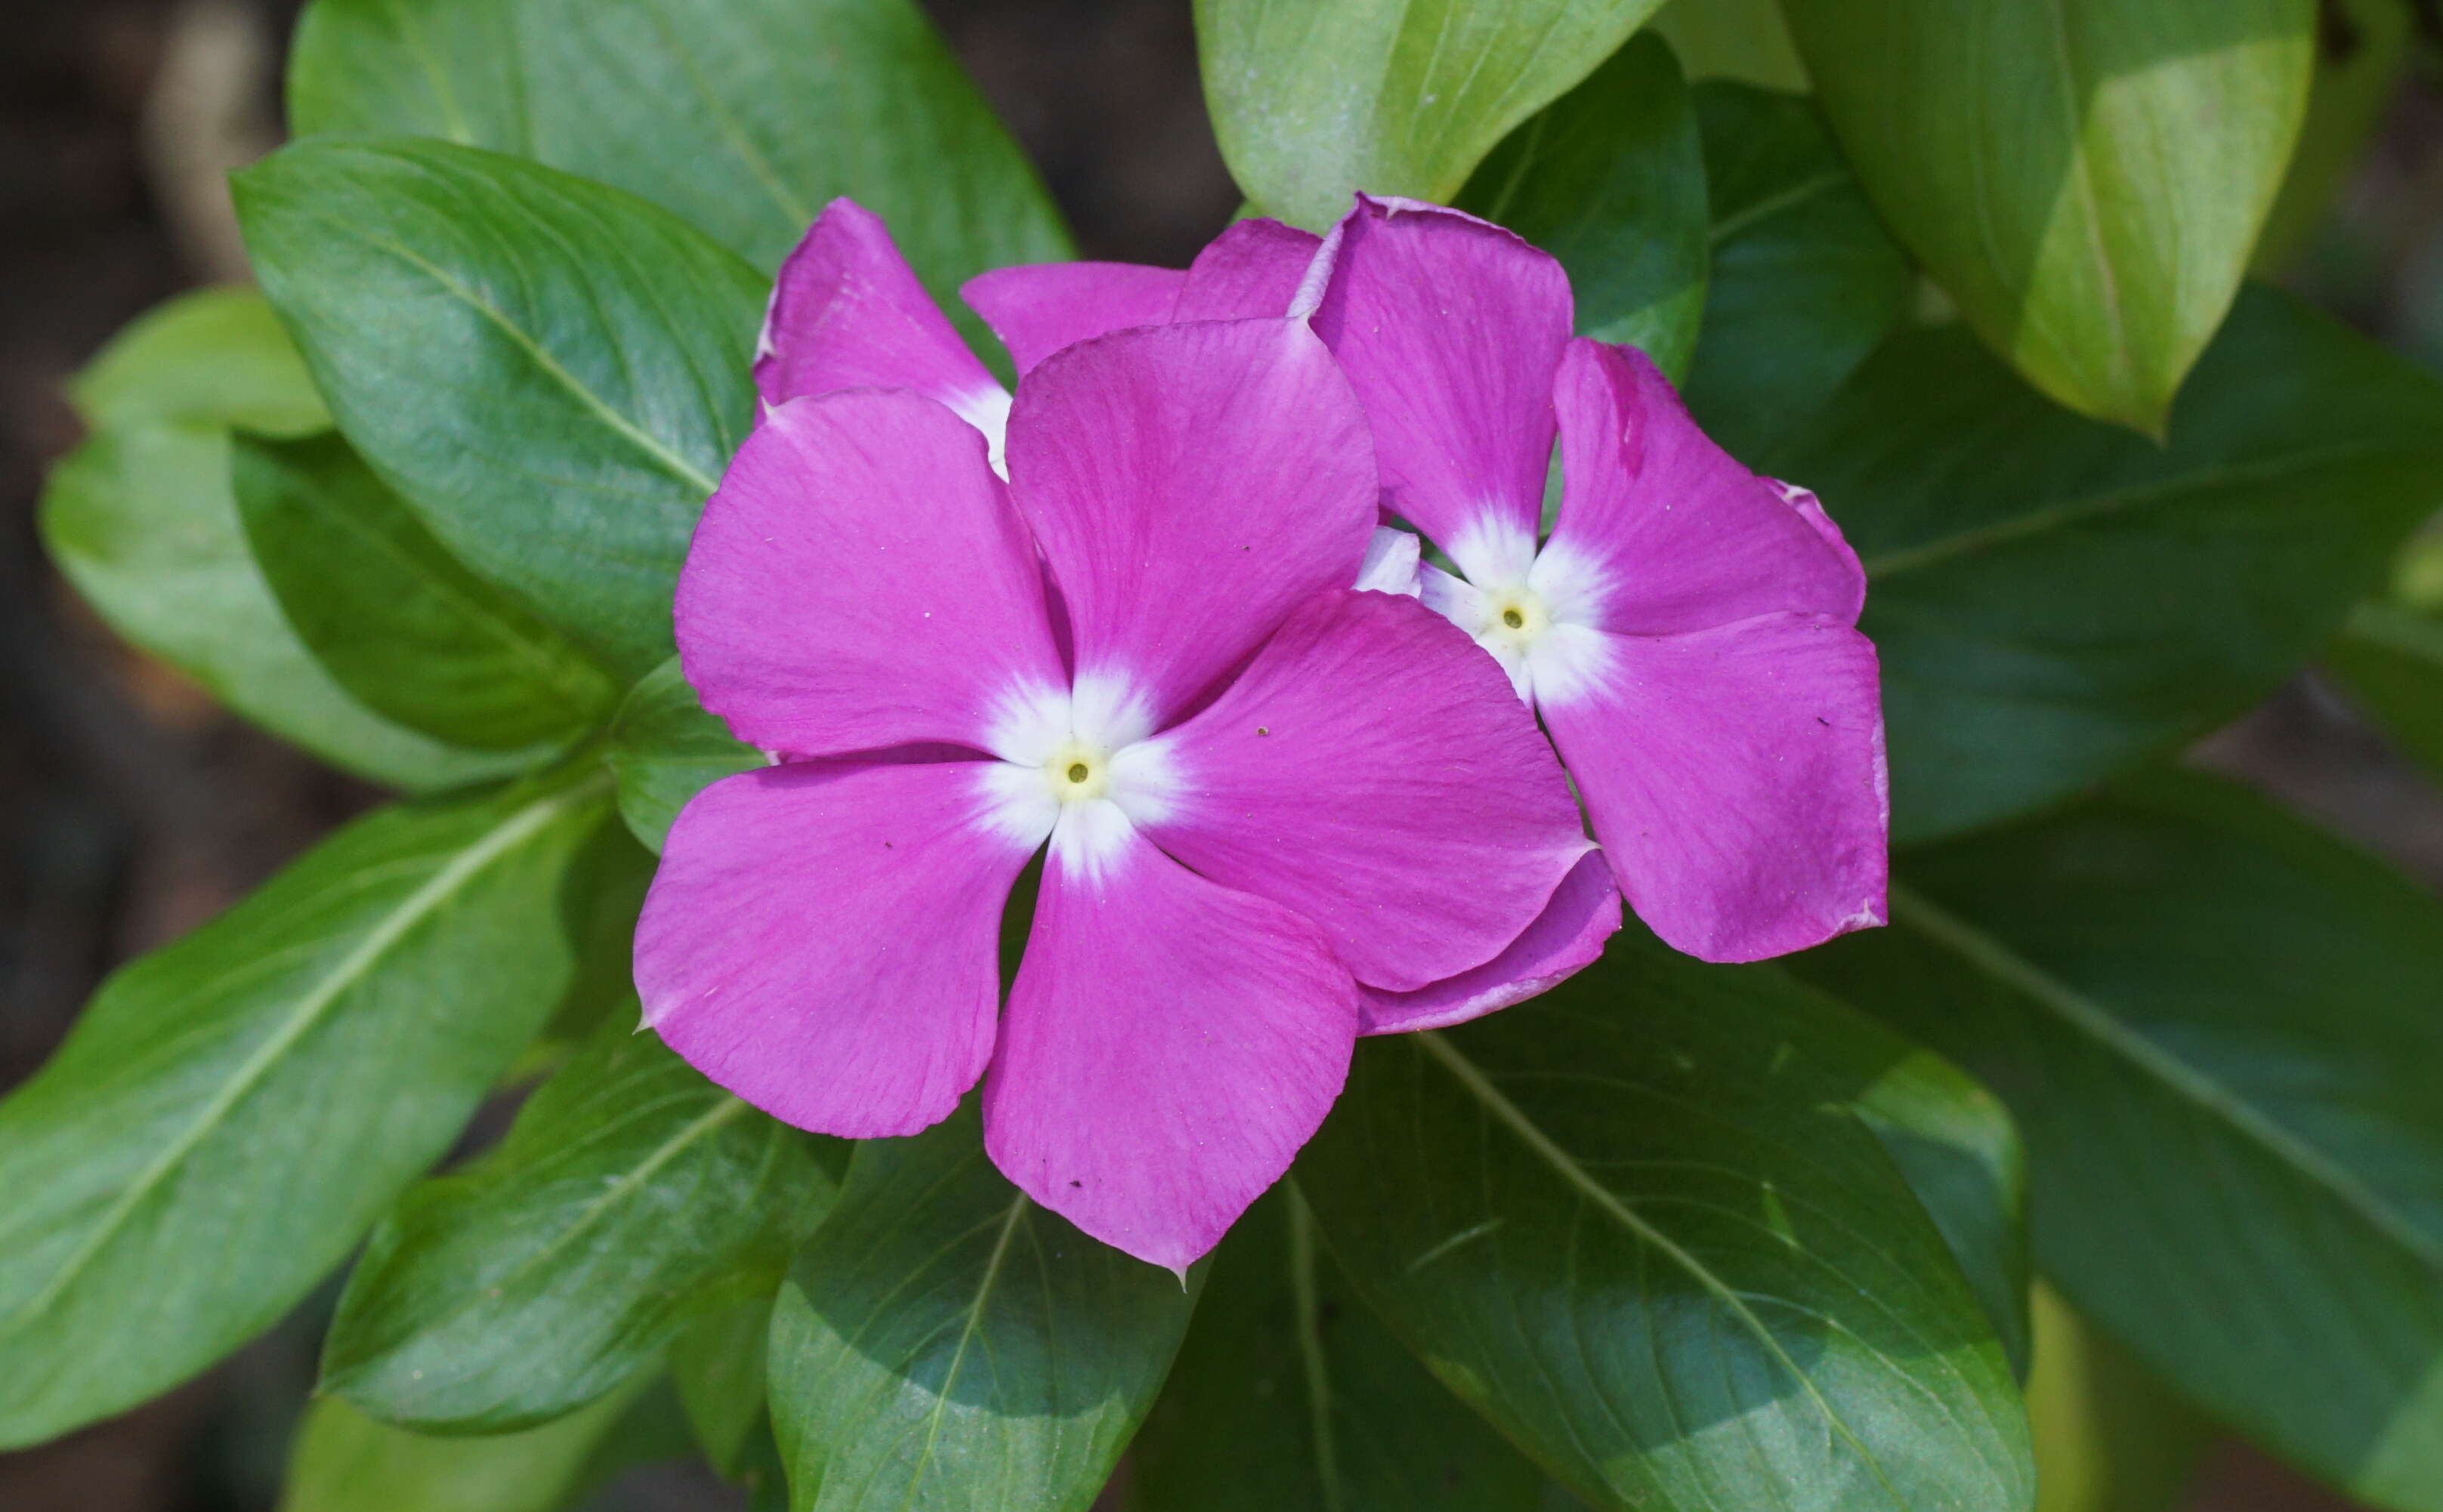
(666, 749)
(1288, 1396)
(2055, 600)
(2217, 1030)
(1806, 280)
(745, 116)
(232, 1112)
(552, 373)
(943, 1343)
(2110, 1437)
(2389, 659)
(1642, 1226)
(345, 1462)
(141, 519)
(1744, 40)
(719, 1363)
(1312, 100)
(2364, 46)
(1609, 178)
(2086, 177)
(402, 626)
(630, 1194)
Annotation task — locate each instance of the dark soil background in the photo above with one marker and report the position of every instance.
(131, 809)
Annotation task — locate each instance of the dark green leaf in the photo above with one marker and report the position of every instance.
(1315, 99)
(744, 115)
(234, 1112)
(2057, 600)
(552, 373)
(1639, 1224)
(2363, 49)
(346, 1462)
(943, 1343)
(2086, 177)
(666, 750)
(140, 518)
(2390, 660)
(1288, 1396)
(629, 1193)
(1804, 278)
(2110, 1437)
(2219, 1030)
(719, 1363)
(411, 633)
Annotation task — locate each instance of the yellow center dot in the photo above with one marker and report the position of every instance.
(1514, 619)
(1078, 772)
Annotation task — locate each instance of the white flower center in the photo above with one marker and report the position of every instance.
(1078, 767)
(1538, 611)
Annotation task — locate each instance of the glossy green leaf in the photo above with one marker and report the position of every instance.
(2086, 177)
(1806, 279)
(630, 1194)
(2363, 48)
(1609, 178)
(2110, 1437)
(551, 373)
(2217, 1029)
(744, 115)
(943, 1343)
(2057, 600)
(345, 1462)
(232, 1112)
(141, 519)
(404, 627)
(2389, 659)
(1639, 1224)
(1312, 100)
(1741, 39)
(1288, 1396)
(666, 749)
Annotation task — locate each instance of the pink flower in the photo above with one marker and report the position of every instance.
(1260, 793)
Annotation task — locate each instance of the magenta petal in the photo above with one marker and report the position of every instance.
(1373, 769)
(822, 939)
(1190, 484)
(859, 581)
(1566, 939)
(1254, 268)
(1679, 535)
(1735, 776)
(847, 313)
(1169, 1046)
(1038, 308)
(1449, 328)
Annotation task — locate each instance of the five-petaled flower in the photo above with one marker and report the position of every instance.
(1269, 804)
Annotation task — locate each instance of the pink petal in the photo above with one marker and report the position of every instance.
(859, 581)
(1735, 776)
(1254, 268)
(847, 313)
(1190, 484)
(1450, 328)
(1372, 770)
(1169, 1046)
(1682, 535)
(1038, 308)
(822, 939)
(1566, 939)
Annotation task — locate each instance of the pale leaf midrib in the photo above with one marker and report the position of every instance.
(984, 1285)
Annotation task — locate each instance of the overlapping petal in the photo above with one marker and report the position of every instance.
(1735, 778)
(1254, 268)
(848, 313)
(1188, 485)
(1168, 1046)
(1038, 308)
(1450, 329)
(1371, 770)
(822, 939)
(859, 581)
(1676, 534)
(1565, 939)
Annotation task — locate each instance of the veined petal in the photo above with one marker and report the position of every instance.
(1169, 1044)
(859, 581)
(1735, 778)
(1254, 268)
(1371, 770)
(1038, 308)
(1190, 484)
(848, 313)
(1668, 530)
(1449, 329)
(822, 939)
(1565, 939)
